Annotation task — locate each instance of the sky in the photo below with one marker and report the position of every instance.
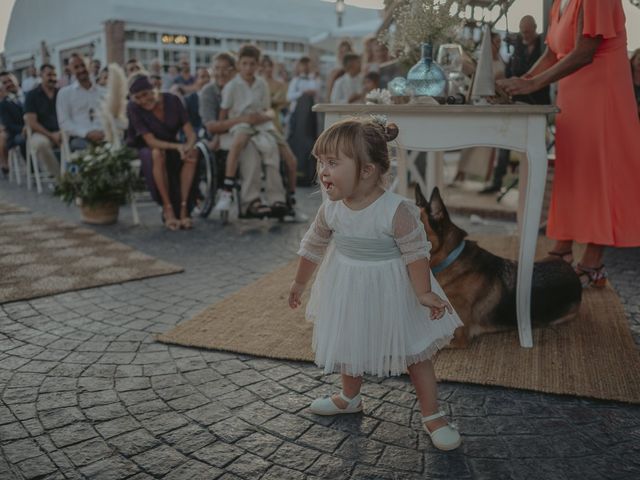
(518, 10)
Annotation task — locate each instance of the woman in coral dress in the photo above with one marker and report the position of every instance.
(596, 191)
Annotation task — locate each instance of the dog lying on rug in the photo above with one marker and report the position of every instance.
(482, 286)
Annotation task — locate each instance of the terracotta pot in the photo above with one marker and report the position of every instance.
(103, 214)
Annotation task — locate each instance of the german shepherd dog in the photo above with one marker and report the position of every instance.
(482, 286)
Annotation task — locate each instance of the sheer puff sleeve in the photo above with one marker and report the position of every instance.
(602, 17)
(315, 241)
(409, 234)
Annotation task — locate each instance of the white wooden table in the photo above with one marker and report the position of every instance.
(436, 128)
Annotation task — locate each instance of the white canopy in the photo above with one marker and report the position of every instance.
(56, 21)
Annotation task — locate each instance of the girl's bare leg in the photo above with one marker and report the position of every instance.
(424, 381)
(350, 387)
(162, 180)
(187, 173)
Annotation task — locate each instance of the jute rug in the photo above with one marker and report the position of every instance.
(10, 208)
(42, 256)
(592, 356)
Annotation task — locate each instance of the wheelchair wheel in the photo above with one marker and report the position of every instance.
(206, 180)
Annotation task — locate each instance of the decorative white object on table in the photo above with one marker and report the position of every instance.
(484, 82)
(379, 96)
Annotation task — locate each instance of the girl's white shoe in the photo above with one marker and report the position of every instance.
(326, 406)
(445, 437)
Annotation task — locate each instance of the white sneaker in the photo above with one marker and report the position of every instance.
(296, 216)
(224, 202)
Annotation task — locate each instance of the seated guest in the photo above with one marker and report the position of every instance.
(185, 80)
(103, 77)
(95, 70)
(250, 161)
(348, 88)
(344, 47)
(132, 66)
(371, 82)
(168, 79)
(191, 100)
(303, 122)
(304, 83)
(277, 91)
(12, 111)
(247, 94)
(31, 80)
(155, 120)
(78, 107)
(40, 115)
(156, 81)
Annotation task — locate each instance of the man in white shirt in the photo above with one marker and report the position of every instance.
(78, 107)
(349, 87)
(31, 81)
(303, 83)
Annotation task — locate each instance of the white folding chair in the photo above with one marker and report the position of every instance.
(15, 159)
(65, 152)
(32, 163)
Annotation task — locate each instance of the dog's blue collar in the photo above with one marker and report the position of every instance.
(452, 257)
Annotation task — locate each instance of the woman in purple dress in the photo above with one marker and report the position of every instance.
(155, 120)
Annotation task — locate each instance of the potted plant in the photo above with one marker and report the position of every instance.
(99, 179)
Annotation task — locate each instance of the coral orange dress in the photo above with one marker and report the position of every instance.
(596, 191)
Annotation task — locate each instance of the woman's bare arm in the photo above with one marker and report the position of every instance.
(581, 55)
(153, 142)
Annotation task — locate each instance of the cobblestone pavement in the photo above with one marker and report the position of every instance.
(87, 393)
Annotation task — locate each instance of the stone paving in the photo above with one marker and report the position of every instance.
(87, 393)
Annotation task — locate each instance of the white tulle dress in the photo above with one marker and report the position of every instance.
(367, 318)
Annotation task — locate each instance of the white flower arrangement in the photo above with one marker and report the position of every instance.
(379, 96)
(418, 21)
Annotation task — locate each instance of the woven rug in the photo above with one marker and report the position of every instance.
(43, 256)
(592, 356)
(10, 208)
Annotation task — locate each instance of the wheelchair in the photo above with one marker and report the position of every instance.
(209, 180)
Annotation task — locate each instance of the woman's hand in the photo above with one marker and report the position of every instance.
(257, 118)
(518, 85)
(436, 305)
(295, 294)
(187, 153)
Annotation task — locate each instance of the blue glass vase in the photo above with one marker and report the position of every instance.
(427, 78)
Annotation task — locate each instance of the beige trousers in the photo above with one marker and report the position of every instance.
(250, 164)
(44, 154)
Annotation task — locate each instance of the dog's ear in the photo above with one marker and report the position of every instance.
(421, 202)
(437, 211)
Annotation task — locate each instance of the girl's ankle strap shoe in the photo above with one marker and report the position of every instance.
(326, 406)
(445, 437)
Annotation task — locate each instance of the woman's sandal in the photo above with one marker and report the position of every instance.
(445, 437)
(592, 277)
(257, 209)
(566, 256)
(186, 223)
(171, 223)
(326, 406)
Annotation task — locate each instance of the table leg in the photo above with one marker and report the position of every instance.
(532, 207)
(401, 173)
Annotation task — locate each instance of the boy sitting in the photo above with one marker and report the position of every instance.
(243, 95)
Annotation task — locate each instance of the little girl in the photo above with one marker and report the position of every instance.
(375, 305)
